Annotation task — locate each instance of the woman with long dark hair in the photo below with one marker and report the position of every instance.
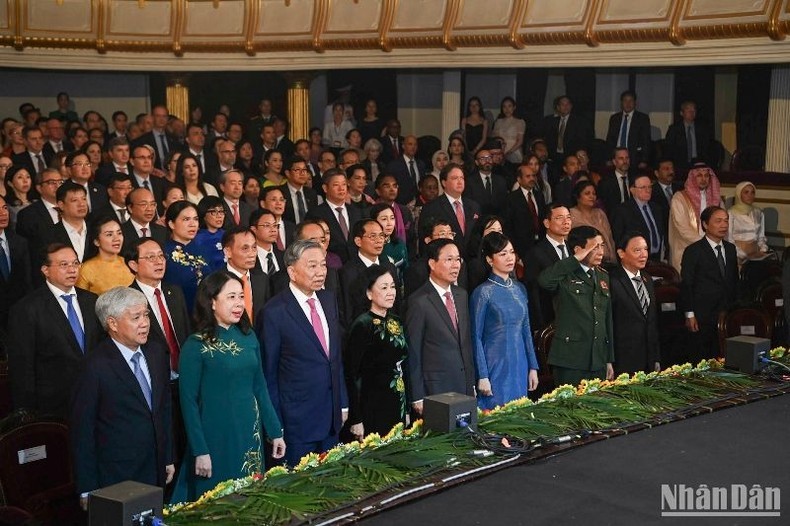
(189, 178)
(226, 421)
(474, 125)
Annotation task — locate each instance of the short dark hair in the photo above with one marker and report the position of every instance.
(434, 248)
(331, 174)
(374, 272)
(628, 93)
(427, 226)
(307, 222)
(292, 160)
(358, 230)
(493, 243)
(230, 234)
(266, 190)
(206, 204)
(448, 167)
(662, 160)
(118, 113)
(132, 252)
(385, 175)
(95, 227)
(376, 209)
(66, 187)
(706, 214)
(172, 212)
(579, 235)
(354, 167)
(118, 177)
(258, 214)
(27, 130)
(618, 149)
(117, 141)
(551, 208)
(51, 248)
(579, 188)
(207, 292)
(626, 238)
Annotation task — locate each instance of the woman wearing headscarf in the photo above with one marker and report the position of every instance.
(747, 225)
(702, 189)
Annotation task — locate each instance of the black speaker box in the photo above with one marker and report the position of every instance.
(124, 504)
(447, 412)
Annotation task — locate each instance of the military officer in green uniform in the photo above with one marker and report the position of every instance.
(583, 345)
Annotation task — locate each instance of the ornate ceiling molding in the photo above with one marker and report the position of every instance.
(323, 34)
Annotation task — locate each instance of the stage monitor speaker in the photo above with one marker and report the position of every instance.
(743, 353)
(125, 504)
(447, 412)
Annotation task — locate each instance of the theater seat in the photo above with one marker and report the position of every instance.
(6, 404)
(43, 487)
(543, 339)
(744, 321)
(667, 273)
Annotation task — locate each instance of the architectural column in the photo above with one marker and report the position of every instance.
(177, 96)
(777, 151)
(451, 103)
(298, 104)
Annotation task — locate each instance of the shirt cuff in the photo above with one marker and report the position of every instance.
(344, 410)
(690, 314)
(417, 402)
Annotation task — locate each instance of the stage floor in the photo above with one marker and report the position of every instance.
(618, 481)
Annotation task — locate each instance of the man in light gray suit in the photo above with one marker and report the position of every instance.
(437, 323)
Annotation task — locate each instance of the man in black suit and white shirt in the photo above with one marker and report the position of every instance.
(688, 139)
(337, 215)
(51, 330)
(239, 245)
(613, 188)
(237, 210)
(524, 210)
(118, 189)
(142, 171)
(224, 159)
(487, 188)
(565, 132)
(122, 403)
(302, 149)
(461, 214)
(119, 161)
(34, 222)
(142, 210)
(72, 229)
(634, 309)
(56, 134)
(15, 273)
(630, 129)
(392, 142)
(543, 254)
(158, 139)
(299, 198)
(408, 169)
(709, 276)
(269, 259)
(80, 169)
(34, 158)
(640, 215)
(438, 327)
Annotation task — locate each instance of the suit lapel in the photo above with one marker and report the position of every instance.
(441, 308)
(125, 374)
(157, 377)
(629, 288)
(298, 315)
(56, 313)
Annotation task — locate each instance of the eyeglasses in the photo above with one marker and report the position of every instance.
(448, 233)
(152, 258)
(317, 239)
(218, 212)
(82, 165)
(374, 237)
(644, 187)
(65, 265)
(298, 170)
(268, 225)
(53, 182)
(5, 166)
(227, 151)
(125, 188)
(484, 158)
(145, 204)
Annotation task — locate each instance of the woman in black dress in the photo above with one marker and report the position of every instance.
(375, 351)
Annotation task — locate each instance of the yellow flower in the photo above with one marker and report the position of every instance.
(393, 327)
(376, 321)
(399, 385)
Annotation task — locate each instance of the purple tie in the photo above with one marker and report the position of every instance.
(315, 319)
(450, 304)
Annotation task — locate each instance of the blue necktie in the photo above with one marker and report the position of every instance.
(624, 132)
(5, 267)
(655, 242)
(138, 373)
(74, 320)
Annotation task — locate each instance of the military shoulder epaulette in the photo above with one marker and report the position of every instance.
(602, 269)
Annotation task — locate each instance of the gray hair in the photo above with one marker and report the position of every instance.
(223, 175)
(116, 301)
(295, 250)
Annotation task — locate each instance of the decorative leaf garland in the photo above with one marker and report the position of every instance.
(350, 472)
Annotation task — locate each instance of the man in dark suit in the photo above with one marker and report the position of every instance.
(369, 238)
(630, 129)
(239, 246)
(121, 414)
(462, 214)
(679, 149)
(542, 255)
(565, 132)
(485, 187)
(35, 222)
(613, 187)
(313, 230)
(302, 149)
(80, 169)
(223, 160)
(634, 309)
(55, 137)
(237, 210)
(269, 259)
(142, 210)
(72, 229)
(283, 143)
(665, 187)
(337, 215)
(299, 198)
(524, 211)
(143, 169)
(34, 158)
(417, 274)
(15, 274)
(709, 276)
(300, 336)
(583, 343)
(438, 327)
(119, 161)
(158, 139)
(118, 189)
(641, 215)
(392, 142)
(408, 170)
(51, 330)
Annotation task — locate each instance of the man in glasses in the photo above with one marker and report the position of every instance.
(51, 330)
(486, 187)
(142, 210)
(35, 221)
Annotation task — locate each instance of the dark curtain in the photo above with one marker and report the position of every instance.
(530, 96)
(379, 84)
(751, 116)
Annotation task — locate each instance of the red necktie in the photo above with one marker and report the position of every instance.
(459, 215)
(533, 210)
(280, 244)
(236, 216)
(450, 304)
(318, 328)
(144, 232)
(170, 334)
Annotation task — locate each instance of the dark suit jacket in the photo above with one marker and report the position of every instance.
(310, 197)
(490, 203)
(19, 281)
(286, 146)
(629, 218)
(57, 234)
(44, 358)
(676, 147)
(245, 211)
(99, 200)
(158, 233)
(261, 291)
(158, 188)
(578, 135)
(387, 154)
(115, 436)
(179, 316)
(440, 358)
(34, 224)
(703, 289)
(150, 140)
(23, 159)
(540, 256)
(609, 192)
(308, 390)
(635, 334)
(440, 208)
(639, 142)
(339, 244)
(106, 170)
(407, 187)
(279, 281)
(519, 223)
(49, 151)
